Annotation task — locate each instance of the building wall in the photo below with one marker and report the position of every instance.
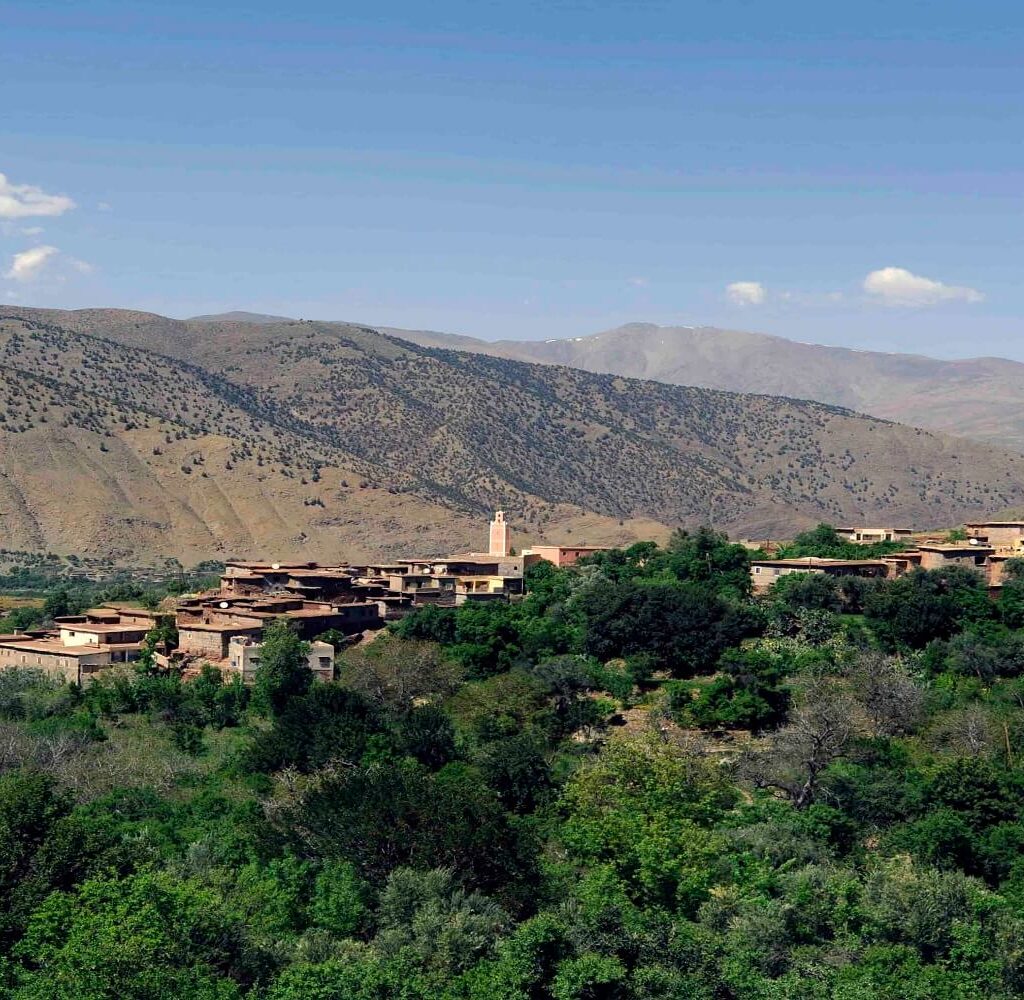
(201, 642)
(55, 664)
(999, 536)
(763, 577)
(940, 560)
(869, 536)
(79, 635)
(565, 555)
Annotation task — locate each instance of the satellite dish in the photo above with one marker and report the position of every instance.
(224, 604)
(275, 565)
(973, 541)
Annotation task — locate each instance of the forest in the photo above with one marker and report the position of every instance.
(640, 781)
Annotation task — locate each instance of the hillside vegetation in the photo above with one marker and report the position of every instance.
(639, 783)
(194, 439)
(976, 397)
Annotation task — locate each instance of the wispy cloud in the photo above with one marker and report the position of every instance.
(896, 286)
(24, 201)
(29, 264)
(746, 293)
(639, 282)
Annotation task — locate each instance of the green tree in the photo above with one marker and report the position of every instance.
(430, 915)
(750, 693)
(283, 672)
(646, 808)
(685, 627)
(146, 936)
(812, 591)
(341, 899)
(926, 605)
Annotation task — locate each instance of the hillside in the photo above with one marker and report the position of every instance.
(977, 398)
(139, 435)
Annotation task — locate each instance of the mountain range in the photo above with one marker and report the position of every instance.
(136, 436)
(978, 398)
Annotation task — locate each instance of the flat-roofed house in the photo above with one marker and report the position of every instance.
(207, 623)
(998, 534)
(872, 536)
(75, 664)
(900, 563)
(210, 638)
(80, 646)
(764, 572)
(968, 554)
(564, 555)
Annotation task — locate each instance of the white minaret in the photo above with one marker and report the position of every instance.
(501, 537)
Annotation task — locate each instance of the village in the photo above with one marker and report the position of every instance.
(984, 546)
(223, 627)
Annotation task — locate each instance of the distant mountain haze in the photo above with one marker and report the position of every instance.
(136, 436)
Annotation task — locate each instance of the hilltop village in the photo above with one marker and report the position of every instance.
(224, 626)
(347, 603)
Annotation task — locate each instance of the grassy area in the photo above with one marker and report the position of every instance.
(10, 601)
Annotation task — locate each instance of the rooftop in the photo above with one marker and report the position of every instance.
(99, 628)
(995, 524)
(814, 561)
(955, 547)
(223, 626)
(41, 645)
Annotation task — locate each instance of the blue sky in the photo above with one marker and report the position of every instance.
(839, 173)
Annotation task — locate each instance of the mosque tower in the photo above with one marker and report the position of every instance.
(501, 537)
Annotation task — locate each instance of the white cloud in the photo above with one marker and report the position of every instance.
(28, 264)
(746, 293)
(22, 201)
(37, 262)
(896, 286)
(32, 231)
(639, 281)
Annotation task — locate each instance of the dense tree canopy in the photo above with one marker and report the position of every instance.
(640, 781)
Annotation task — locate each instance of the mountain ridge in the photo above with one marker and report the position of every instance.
(313, 439)
(971, 397)
(976, 397)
